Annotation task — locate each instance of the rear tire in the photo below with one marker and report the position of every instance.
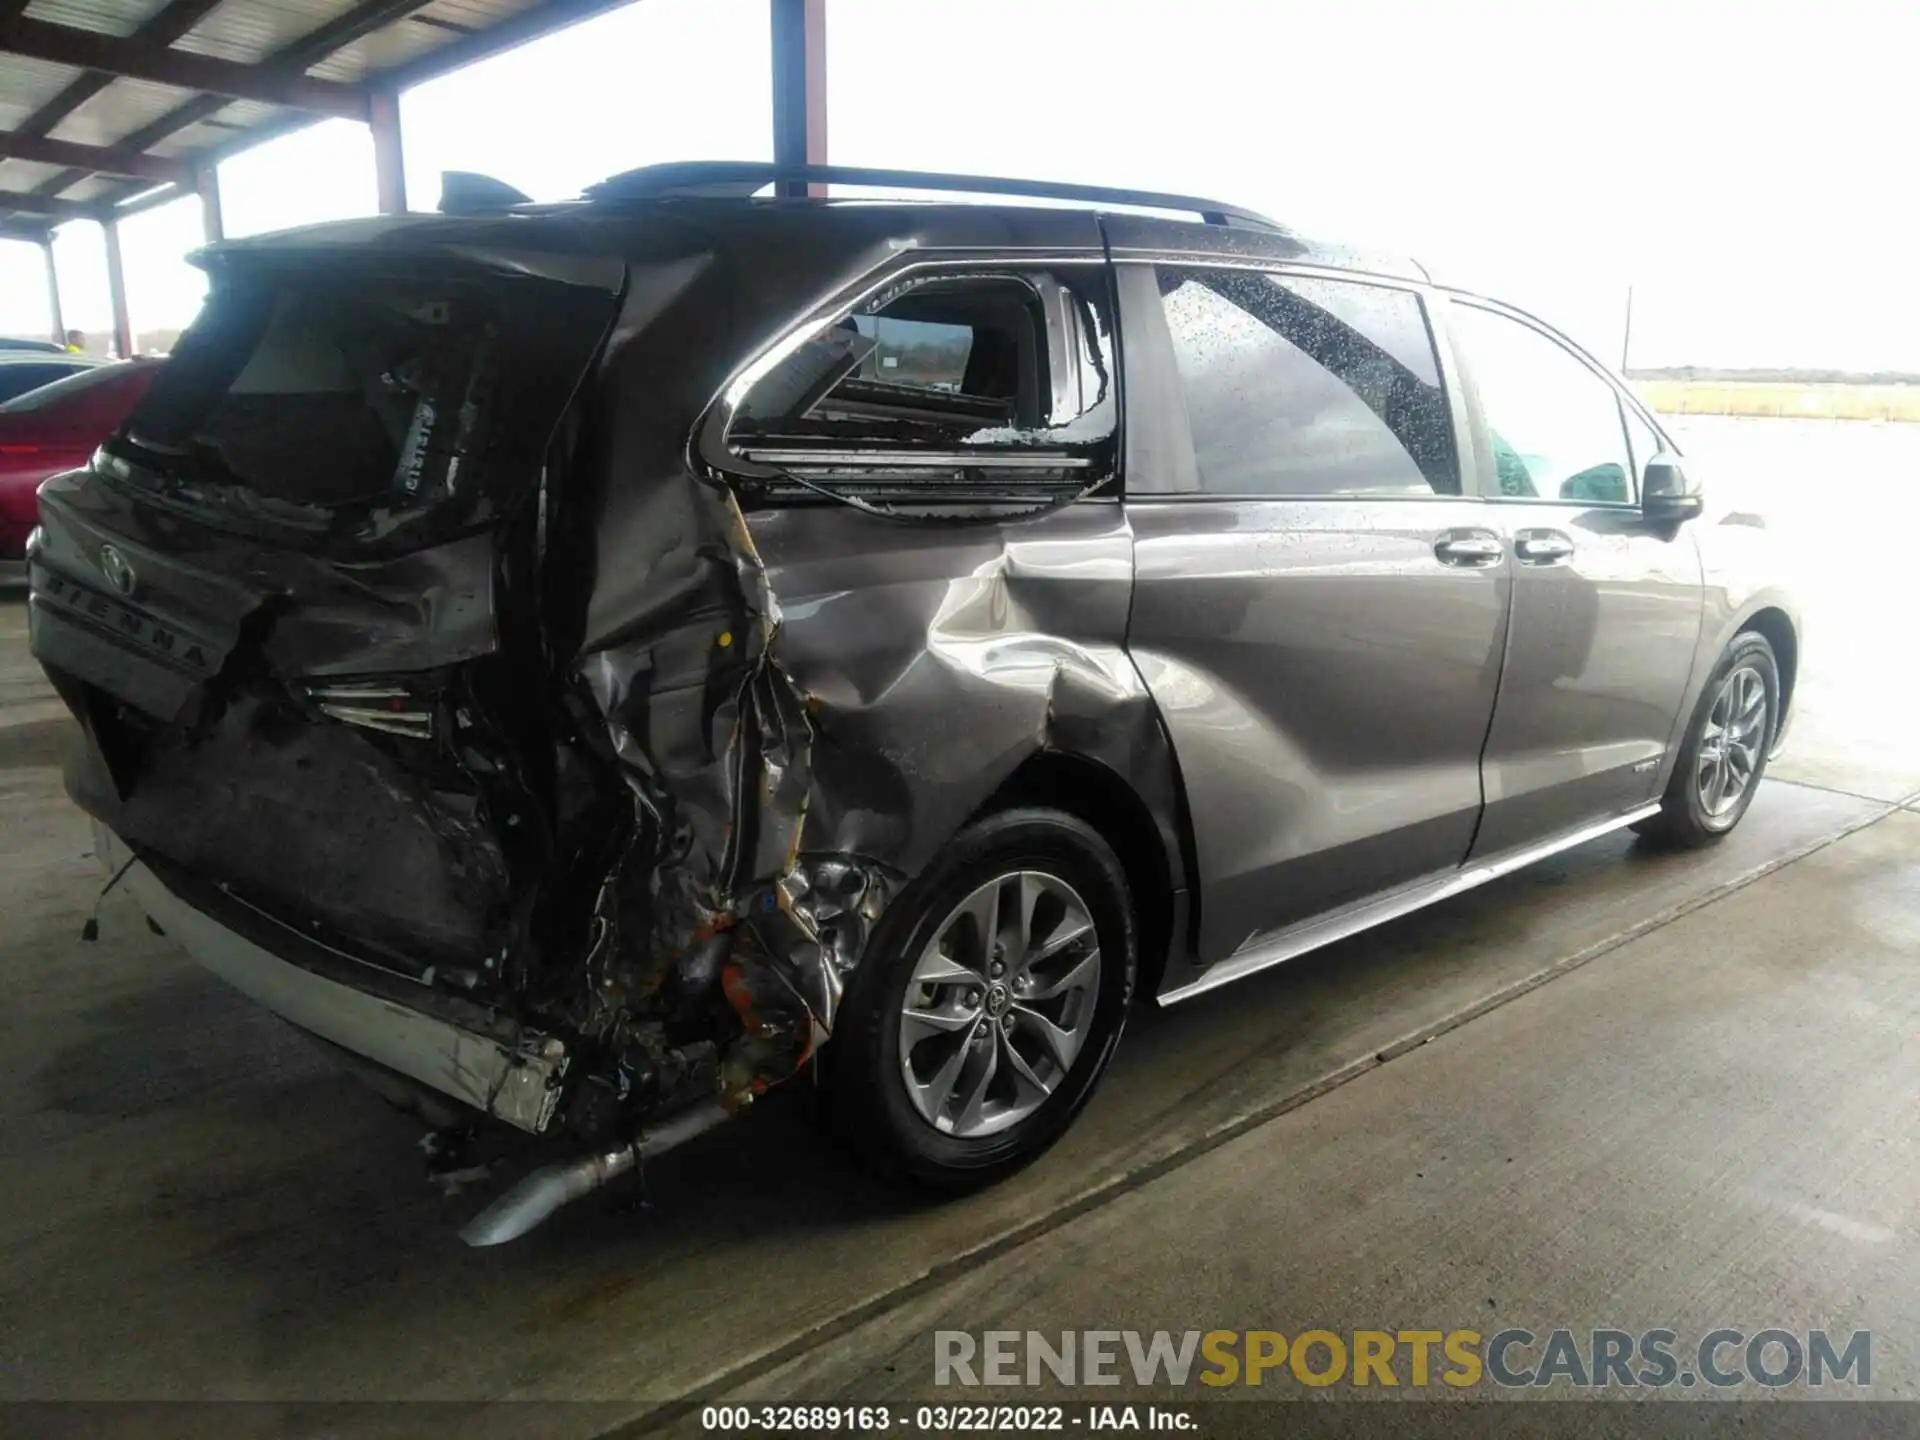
(947, 1071)
(1724, 754)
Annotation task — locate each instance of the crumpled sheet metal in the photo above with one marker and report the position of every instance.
(810, 702)
(716, 743)
(880, 682)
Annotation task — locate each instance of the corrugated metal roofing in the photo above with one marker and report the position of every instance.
(109, 17)
(251, 30)
(128, 78)
(94, 187)
(24, 174)
(382, 50)
(26, 85)
(117, 111)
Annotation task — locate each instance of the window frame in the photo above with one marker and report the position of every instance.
(1152, 261)
(710, 444)
(1625, 402)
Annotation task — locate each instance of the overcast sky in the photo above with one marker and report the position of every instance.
(1744, 166)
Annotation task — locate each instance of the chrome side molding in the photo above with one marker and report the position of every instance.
(1295, 940)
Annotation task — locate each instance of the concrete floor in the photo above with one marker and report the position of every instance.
(1704, 1118)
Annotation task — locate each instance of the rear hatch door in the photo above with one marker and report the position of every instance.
(299, 584)
(326, 435)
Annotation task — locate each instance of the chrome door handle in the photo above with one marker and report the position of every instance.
(1541, 547)
(1469, 547)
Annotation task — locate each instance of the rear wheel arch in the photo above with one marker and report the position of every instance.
(1772, 623)
(1107, 801)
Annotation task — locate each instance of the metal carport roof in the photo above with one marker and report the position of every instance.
(111, 107)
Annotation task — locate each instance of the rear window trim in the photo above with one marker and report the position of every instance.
(710, 448)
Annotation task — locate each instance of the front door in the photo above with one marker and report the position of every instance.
(1318, 611)
(1606, 605)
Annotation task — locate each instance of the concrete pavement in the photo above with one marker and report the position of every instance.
(1702, 1116)
(1712, 1127)
(200, 1206)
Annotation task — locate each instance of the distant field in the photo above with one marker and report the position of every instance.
(1795, 401)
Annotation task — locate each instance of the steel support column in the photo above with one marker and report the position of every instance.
(212, 222)
(53, 292)
(389, 155)
(800, 87)
(117, 291)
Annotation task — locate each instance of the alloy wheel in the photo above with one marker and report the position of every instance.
(999, 1004)
(1732, 742)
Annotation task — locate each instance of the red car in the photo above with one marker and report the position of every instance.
(55, 428)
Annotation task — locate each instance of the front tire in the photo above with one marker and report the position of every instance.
(1725, 750)
(988, 1003)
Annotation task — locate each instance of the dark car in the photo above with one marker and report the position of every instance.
(594, 662)
(54, 428)
(32, 344)
(24, 370)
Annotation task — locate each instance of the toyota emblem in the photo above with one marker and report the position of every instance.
(118, 570)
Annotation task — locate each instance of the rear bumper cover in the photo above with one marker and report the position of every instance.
(521, 1087)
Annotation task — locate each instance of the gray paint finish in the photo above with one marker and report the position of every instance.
(1662, 1139)
(1328, 684)
(1599, 655)
(760, 713)
(284, 1247)
(935, 661)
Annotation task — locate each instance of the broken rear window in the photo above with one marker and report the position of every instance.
(974, 386)
(361, 406)
(324, 394)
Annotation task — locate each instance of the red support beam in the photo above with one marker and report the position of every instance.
(91, 50)
(389, 154)
(101, 160)
(53, 292)
(800, 86)
(117, 292)
(213, 222)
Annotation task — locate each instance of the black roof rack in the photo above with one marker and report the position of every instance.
(739, 179)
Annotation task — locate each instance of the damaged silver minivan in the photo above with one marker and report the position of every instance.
(594, 662)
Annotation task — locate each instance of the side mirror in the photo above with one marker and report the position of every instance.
(1666, 493)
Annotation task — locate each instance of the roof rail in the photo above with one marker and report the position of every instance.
(739, 179)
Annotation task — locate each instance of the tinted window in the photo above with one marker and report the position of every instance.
(19, 379)
(1554, 424)
(1298, 386)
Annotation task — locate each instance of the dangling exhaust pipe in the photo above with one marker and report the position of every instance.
(536, 1197)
